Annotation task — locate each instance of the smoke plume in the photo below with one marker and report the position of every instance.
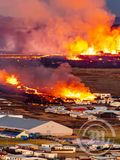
(47, 26)
(58, 82)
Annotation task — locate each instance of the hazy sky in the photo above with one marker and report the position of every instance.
(10, 7)
(114, 6)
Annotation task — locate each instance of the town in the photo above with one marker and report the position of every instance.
(29, 138)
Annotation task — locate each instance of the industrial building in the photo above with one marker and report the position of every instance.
(15, 127)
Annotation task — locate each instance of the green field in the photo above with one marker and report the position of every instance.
(10, 141)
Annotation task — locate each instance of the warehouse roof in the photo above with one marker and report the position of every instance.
(20, 123)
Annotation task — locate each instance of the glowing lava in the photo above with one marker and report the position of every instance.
(74, 90)
(79, 92)
(102, 41)
(73, 94)
(12, 80)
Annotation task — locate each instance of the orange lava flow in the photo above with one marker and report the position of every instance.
(101, 41)
(26, 89)
(76, 91)
(12, 80)
(79, 92)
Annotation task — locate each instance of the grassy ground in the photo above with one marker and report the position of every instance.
(100, 80)
(8, 141)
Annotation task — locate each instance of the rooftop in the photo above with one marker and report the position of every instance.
(19, 123)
